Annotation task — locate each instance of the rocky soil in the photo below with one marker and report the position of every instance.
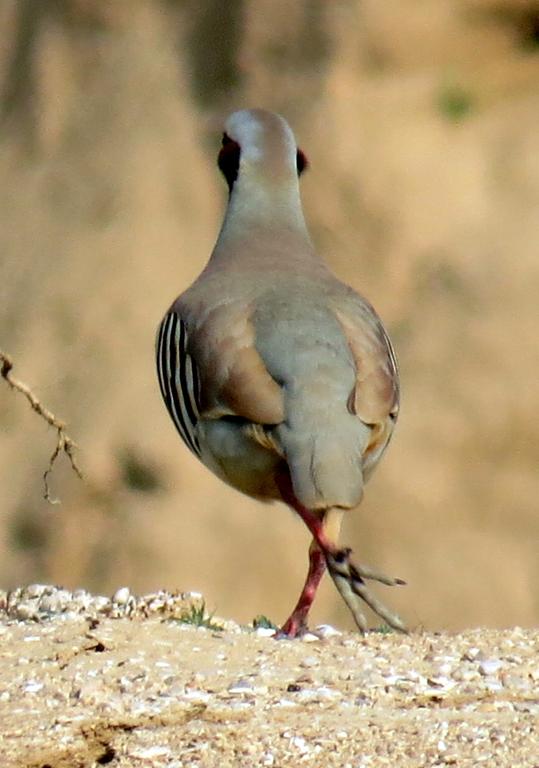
(88, 681)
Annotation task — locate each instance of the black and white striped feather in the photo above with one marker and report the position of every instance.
(178, 379)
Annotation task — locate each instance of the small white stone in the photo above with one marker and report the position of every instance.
(55, 603)
(391, 679)
(441, 683)
(300, 743)
(197, 696)
(493, 684)
(33, 686)
(317, 694)
(309, 661)
(146, 753)
(472, 654)
(265, 632)
(100, 602)
(286, 703)
(246, 687)
(121, 596)
(326, 630)
(489, 667)
(444, 669)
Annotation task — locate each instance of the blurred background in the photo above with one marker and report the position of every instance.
(421, 122)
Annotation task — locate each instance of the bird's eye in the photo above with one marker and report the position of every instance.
(301, 161)
(228, 160)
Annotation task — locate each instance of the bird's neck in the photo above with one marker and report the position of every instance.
(262, 224)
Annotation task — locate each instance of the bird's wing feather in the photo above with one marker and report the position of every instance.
(375, 397)
(376, 394)
(178, 378)
(234, 380)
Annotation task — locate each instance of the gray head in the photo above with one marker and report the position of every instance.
(259, 144)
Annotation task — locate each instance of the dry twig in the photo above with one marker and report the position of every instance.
(63, 442)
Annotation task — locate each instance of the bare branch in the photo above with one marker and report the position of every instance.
(64, 444)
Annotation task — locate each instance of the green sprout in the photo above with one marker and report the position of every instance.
(197, 616)
(262, 622)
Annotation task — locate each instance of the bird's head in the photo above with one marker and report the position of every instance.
(260, 145)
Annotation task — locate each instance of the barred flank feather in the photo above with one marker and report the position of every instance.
(178, 379)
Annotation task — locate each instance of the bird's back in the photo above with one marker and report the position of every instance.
(299, 374)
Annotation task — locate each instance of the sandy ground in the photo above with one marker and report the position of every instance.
(86, 681)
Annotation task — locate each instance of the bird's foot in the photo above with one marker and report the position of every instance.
(294, 626)
(350, 581)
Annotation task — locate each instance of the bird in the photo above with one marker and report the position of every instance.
(279, 377)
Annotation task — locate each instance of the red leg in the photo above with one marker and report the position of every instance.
(297, 621)
(349, 578)
(314, 522)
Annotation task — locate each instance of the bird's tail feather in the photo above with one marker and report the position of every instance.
(324, 456)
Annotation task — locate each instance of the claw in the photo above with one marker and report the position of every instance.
(365, 571)
(349, 580)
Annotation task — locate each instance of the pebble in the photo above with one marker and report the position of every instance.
(492, 684)
(246, 687)
(265, 631)
(241, 686)
(326, 630)
(33, 686)
(472, 654)
(309, 661)
(300, 743)
(441, 683)
(317, 694)
(489, 667)
(121, 596)
(43, 602)
(147, 753)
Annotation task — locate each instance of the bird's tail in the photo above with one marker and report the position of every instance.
(324, 451)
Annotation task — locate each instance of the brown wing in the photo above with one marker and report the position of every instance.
(375, 397)
(233, 377)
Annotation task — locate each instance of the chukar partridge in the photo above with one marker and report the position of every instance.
(280, 378)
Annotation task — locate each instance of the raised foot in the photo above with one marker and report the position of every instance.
(350, 581)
